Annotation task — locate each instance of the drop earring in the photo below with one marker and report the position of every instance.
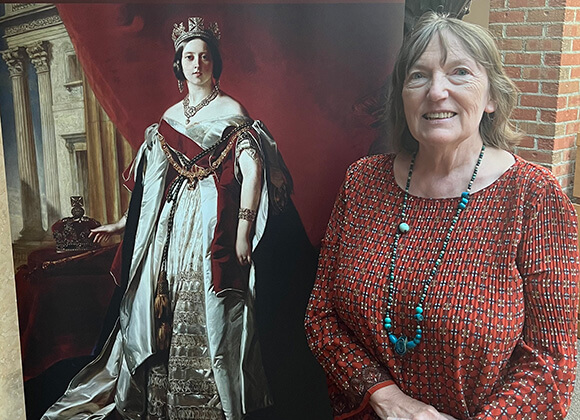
(180, 86)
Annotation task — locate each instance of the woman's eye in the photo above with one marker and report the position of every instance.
(416, 76)
(462, 72)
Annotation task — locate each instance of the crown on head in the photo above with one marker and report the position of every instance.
(196, 28)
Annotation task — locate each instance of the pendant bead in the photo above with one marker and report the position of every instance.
(401, 344)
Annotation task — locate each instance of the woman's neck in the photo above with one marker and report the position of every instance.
(198, 93)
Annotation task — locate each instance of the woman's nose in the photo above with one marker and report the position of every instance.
(438, 88)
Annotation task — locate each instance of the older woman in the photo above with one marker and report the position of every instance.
(185, 345)
(447, 279)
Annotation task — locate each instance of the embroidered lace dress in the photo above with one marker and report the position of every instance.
(183, 386)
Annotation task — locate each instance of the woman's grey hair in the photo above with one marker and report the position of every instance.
(495, 128)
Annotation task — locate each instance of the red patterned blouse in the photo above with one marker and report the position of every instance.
(499, 335)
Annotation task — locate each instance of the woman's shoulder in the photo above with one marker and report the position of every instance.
(372, 163)
(371, 169)
(532, 175)
(535, 182)
(226, 105)
(174, 112)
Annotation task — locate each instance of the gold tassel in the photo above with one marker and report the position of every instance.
(161, 306)
(162, 312)
(163, 336)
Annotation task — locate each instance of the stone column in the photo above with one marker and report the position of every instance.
(27, 167)
(39, 55)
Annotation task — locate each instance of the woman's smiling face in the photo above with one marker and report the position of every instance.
(445, 94)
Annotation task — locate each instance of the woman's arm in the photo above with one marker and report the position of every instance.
(356, 378)
(103, 233)
(539, 377)
(251, 169)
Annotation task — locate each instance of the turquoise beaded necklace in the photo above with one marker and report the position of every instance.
(402, 343)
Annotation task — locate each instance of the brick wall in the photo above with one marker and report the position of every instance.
(540, 44)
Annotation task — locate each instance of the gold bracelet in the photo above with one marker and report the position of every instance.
(247, 214)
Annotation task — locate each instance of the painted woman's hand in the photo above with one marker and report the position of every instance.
(243, 250)
(105, 232)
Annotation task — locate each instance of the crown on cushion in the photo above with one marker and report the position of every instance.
(72, 233)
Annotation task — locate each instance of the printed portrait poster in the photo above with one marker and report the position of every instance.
(313, 72)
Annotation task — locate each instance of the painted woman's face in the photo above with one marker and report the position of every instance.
(197, 63)
(445, 96)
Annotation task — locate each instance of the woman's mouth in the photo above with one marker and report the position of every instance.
(438, 115)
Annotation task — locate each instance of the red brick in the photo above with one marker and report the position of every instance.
(497, 4)
(516, 31)
(569, 87)
(557, 144)
(505, 44)
(507, 16)
(548, 116)
(565, 115)
(572, 128)
(569, 14)
(563, 169)
(513, 72)
(570, 59)
(525, 114)
(566, 182)
(540, 73)
(537, 128)
(523, 58)
(496, 30)
(562, 100)
(566, 45)
(528, 142)
(552, 59)
(546, 15)
(535, 156)
(528, 87)
(573, 101)
(526, 3)
(557, 3)
(568, 142)
(543, 45)
(571, 30)
(550, 88)
(575, 74)
(545, 101)
(546, 144)
(576, 45)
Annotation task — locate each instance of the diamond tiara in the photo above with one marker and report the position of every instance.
(196, 28)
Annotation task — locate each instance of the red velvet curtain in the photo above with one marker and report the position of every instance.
(300, 68)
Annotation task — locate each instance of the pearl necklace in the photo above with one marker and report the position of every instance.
(402, 343)
(189, 111)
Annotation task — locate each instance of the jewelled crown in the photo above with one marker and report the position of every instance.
(195, 28)
(72, 233)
